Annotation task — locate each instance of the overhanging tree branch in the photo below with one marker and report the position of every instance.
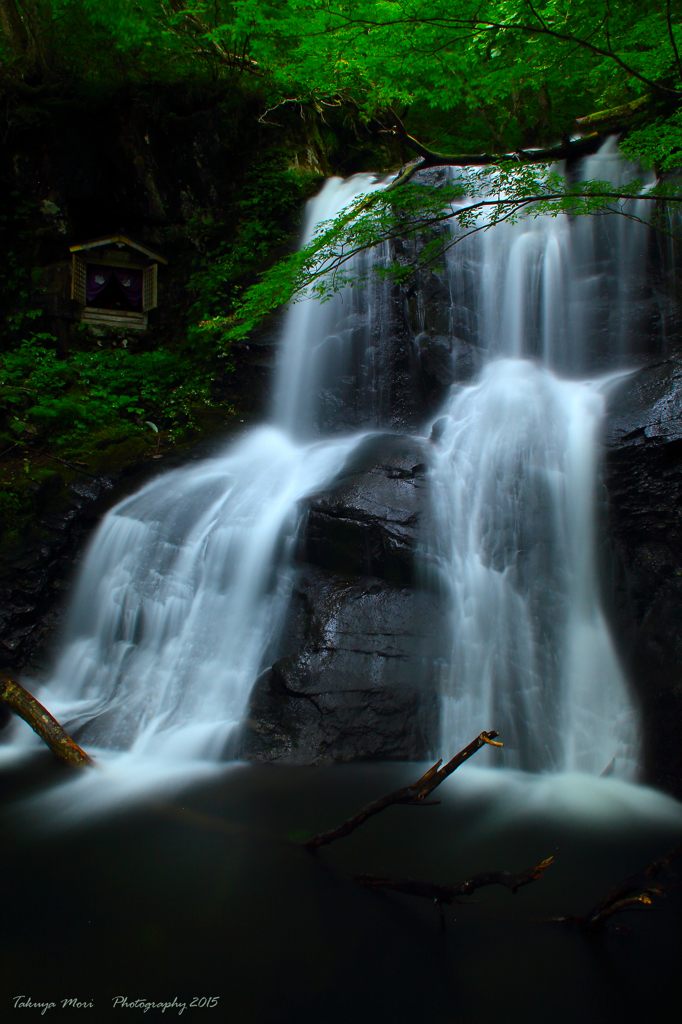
(505, 208)
(566, 151)
(539, 28)
(615, 117)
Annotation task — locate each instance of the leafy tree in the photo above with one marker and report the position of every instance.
(500, 76)
(505, 85)
(510, 70)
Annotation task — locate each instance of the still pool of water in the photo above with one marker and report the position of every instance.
(206, 892)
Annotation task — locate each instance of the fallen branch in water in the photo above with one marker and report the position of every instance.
(414, 795)
(447, 894)
(42, 722)
(631, 894)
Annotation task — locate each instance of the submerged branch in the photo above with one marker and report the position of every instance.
(414, 795)
(41, 721)
(631, 894)
(447, 894)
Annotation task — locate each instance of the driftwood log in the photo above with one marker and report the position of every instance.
(42, 722)
(633, 893)
(447, 894)
(414, 795)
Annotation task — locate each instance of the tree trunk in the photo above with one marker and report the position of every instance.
(13, 27)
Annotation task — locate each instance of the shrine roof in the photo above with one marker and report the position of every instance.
(118, 239)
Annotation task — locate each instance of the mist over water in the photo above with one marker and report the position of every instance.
(185, 585)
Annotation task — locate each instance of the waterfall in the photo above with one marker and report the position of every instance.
(329, 372)
(183, 589)
(185, 585)
(569, 292)
(514, 494)
(515, 479)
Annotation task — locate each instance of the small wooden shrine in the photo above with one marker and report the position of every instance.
(114, 280)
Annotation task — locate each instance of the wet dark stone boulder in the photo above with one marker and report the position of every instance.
(360, 680)
(446, 360)
(358, 667)
(643, 439)
(367, 522)
(35, 571)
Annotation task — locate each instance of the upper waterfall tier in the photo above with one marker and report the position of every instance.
(329, 363)
(574, 293)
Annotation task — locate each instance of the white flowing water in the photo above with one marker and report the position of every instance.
(515, 480)
(514, 493)
(182, 592)
(185, 585)
(328, 363)
(571, 293)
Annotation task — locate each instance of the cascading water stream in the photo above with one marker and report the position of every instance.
(183, 590)
(514, 487)
(514, 493)
(570, 293)
(186, 584)
(327, 360)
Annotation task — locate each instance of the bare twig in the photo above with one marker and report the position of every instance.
(55, 458)
(15, 445)
(412, 795)
(42, 722)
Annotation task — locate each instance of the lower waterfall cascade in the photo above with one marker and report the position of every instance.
(514, 484)
(185, 585)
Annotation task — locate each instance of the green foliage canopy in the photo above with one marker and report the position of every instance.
(512, 66)
(501, 76)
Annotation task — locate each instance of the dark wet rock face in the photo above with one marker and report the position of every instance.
(644, 481)
(35, 574)
(382, 367)
(358, 684)
(444, 361)
(367, 523)
(358, 671)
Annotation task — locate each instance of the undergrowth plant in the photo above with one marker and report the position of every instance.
(57, 415)
(63, 402)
